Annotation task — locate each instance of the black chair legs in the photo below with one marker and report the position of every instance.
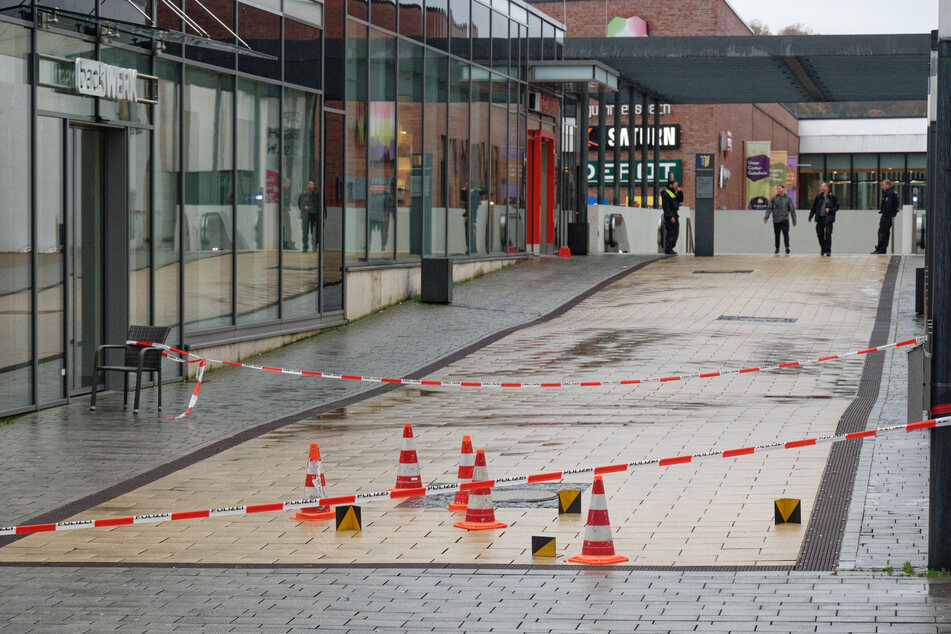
(125, 390)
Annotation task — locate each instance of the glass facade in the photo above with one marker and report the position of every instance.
(230, 195)
(856, 178)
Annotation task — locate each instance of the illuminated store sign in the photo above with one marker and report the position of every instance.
(668, 170)
(669, 136)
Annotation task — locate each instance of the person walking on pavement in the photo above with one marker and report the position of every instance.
(782, 208)
(671, 198)
(889, 209)
(823, 209)
(307, 203)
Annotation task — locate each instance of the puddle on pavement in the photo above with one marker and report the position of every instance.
(504, 496)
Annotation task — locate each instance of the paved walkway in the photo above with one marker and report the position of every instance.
(361, 597)
(89, 451)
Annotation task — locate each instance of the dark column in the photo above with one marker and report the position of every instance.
(584, 102)
(602, 142)
(657, 154)
(631, 175)
(643, 150)
(617, 147)
(939, 521)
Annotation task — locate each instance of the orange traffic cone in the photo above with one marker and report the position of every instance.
(598, 544)
(407, 474)
(315, 487)
(480, 514)
(465, 475)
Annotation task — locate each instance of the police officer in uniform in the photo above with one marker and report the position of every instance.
(890, 207)
(671, 198)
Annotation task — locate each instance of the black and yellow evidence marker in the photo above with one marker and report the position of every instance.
(569, 502)
(788, 511)
(543, 546)
(348, 518)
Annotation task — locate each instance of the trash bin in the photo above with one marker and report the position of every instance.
(436, 281)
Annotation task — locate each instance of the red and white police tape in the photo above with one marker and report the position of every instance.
(393, 494)
(187, 357)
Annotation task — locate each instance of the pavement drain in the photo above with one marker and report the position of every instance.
(723, 272)
(762, 320)
(504, 496)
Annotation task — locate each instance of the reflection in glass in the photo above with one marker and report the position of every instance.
(437, 24)
(839, 175)
(209, 196)
(477, 200)
(224, 11)
(383, 14)
(262, 31)
(16, 302)
(510, 186)
(356, 151)
(381, 147)
(867, 188)
(50, 231)
(458, 159)
(302, 50)
(334, 179)
(300, 204)
(258, 200)
(437, 94)
(496, 224)
(140, 227)
(166, 208)
(335, 63)
(893, 168)
(481, 34)
(459, 27)
(411, 19)
(126, 110)
(500, 42)
(414, 171)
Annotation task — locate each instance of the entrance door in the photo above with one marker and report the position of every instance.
(541, 195)
(85, 276)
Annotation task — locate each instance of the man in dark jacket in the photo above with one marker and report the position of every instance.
(782, 208)
(308, 204)
(889, 209)
(823, 209)
(670, 199)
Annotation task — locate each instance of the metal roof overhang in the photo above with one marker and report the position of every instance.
(573, 76)
(766, 69)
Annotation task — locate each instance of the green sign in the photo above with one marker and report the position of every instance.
(668, 170)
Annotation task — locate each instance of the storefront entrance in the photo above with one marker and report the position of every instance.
(83, 174)
(541, 195)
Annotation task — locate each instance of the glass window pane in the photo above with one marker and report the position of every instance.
(140, 227)
(500, 42)
(839, 175)
(334, 179)
(511, 184)
(262, 31)
(893, 168)
(357, 8)
(498, 167)
(411, 19)
(412, 194)
(61, 74)
(437, 24)
(481, 34)
(300, 203)
(458, 158)
(16, 302)
(535, 38)
(459, 27)
(335, 59)
(383, 14)
(434, 237)
(356, 151)
(302, 50)
(126, 110)
(867, 188)
(381, 129)
(477, 202)
(258, 199)
(310, 11)
(224, 11)
(166, 205)
(50, 201)
(127, 13)
(209, 196)
(548, 41)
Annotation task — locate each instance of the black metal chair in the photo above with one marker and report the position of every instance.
(138, 359)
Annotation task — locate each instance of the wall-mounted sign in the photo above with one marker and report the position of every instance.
(669, 136)
(633, 26)
(668, 170)
(97, 79)
(663, 108)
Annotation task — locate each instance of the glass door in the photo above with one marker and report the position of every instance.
(84, 258)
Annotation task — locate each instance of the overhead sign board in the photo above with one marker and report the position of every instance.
(668, 170)
(669, 135)
(97, 79)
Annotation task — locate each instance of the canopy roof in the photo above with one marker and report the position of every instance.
(766, 69)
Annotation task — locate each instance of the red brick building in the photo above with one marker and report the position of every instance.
(700, 125)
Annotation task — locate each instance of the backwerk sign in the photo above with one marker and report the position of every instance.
(96, 79)
(668, 170)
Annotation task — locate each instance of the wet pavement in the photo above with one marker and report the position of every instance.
(709, 514)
